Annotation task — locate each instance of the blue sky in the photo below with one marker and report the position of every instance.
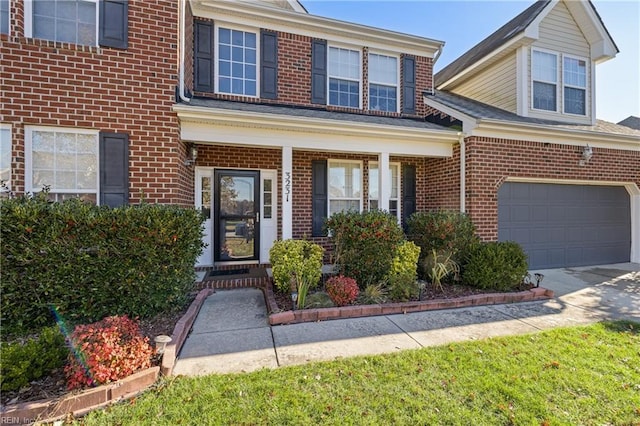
(462, 24)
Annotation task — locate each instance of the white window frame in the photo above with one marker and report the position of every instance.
(28, 157)
(374, 164)
(397, 85)
(28, 21)
(330, 198)
(7, 128)
(586, 85)
(360, 74)
(557, 83)
(216, 48)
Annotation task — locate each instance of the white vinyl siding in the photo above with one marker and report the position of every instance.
(560, 33)
(495, 86)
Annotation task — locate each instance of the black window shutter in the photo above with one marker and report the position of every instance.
(203, 56)
(408, 193)
(408, 85)
(114, 169)
(114, 23)
(269, 65)
(319, 184)
(319, 72)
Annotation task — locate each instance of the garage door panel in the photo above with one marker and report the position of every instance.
(566, 225)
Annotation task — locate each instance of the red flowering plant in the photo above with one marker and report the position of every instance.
(106, 351)
(342, 290)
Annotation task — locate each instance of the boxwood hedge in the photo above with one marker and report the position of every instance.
(86, 262)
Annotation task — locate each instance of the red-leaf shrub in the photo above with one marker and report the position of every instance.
(342, 290)
(106, 351)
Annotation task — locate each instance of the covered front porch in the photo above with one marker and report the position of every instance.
(264, 173)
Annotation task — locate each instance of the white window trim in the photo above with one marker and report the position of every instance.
(216, 49)
(360, 75)
(557, 83)
(28, 156)
(585, 88)
(398, 183)
(397, 85)
(6, 126)
(329, 197)
(28, 21)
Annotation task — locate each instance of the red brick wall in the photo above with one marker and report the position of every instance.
(49, 83)
(441, 186)
(490, 161)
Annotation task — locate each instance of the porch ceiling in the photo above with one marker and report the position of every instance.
(319, 130)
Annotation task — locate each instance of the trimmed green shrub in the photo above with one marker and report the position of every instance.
(319, 299)
(365, 244)
(30, 359)
(496, 265)
(87, 262)
(296, 263)
(444, 231)
(402, 276)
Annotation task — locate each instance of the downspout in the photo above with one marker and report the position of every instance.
(183, 19)
(463, 165)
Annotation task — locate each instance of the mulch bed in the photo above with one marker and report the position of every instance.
(55, 384)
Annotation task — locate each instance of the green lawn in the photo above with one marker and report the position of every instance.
(572, 376)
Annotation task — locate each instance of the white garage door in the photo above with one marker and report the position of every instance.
(566, 225)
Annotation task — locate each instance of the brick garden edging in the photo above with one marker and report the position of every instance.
(321, 314)
(78, 404)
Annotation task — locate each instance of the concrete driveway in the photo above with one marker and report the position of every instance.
(232, 334)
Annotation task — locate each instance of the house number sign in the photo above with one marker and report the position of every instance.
(287, 185)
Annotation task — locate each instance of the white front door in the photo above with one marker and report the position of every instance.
(204, 203)
(268, 212)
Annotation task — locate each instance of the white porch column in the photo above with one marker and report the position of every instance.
(287, 192)
(384, 181)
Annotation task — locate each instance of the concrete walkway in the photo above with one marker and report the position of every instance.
(232, 334)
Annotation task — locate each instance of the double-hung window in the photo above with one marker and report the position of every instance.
(4, 16)
(545, 80)
(394, 186)
(5, 158)
(345, 186)
(383, 83)
(65, 160)
(237, 62)
(71, 21)
(344, 77)
(575, 85)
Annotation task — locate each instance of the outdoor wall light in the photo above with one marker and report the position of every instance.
(587, 153)
(161, 343)
(193, 155)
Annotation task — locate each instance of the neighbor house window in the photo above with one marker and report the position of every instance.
(237, 62)
(345, 186)
(394, 185)
(383, 83)
(4, 16)
(575, 85)
(344, 77)
(5, 159)
(65, 160)
(545, 80)
(71, 21)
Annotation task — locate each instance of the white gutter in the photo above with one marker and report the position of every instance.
(463, 166)
(183, 24)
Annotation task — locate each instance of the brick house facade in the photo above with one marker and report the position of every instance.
(268, 119)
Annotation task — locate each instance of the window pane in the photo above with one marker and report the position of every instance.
(237, 59)
(574, 101)
(344, 63)
(575, 72)
(5, 156)
(72, 21)
(225, 52)
(44, 7)
(382, 98)
(544, 96)
(344, 180)
(336, 206)
(4, 16)
(44, 27)
(224, 35)
(224, 84)
(545, 67)
(383, 69)
(344, 93)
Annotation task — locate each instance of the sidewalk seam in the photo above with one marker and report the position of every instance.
(404, 331)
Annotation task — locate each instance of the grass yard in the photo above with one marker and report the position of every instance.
(576, 376)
